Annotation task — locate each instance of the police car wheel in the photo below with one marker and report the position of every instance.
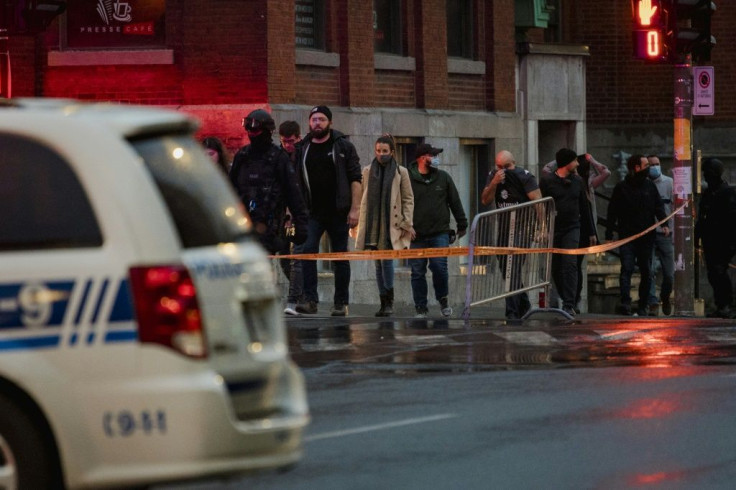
(26, 460)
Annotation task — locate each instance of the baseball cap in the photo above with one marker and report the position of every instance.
(427, 149)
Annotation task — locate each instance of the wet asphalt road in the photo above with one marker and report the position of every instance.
(602, 402)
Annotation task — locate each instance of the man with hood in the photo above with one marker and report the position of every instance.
(635, 206)
(716, 231)
(266, 183)
(329, 169)
(435, 196)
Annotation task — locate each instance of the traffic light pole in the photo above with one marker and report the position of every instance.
(682, 170)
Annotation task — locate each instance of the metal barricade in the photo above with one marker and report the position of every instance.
(492, 277)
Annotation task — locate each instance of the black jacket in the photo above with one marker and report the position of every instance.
(717, 219)
(634, 205)
(434, 197)
(347, 169)
(571, 202)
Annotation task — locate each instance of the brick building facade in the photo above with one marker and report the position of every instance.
(630, 102)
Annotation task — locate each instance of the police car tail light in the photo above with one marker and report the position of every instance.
(167, 309)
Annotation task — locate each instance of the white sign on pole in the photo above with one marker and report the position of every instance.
(704, 100)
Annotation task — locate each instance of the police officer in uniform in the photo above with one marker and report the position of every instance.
(266, 183)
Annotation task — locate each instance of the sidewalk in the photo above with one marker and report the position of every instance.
(403, 311)
(492, 312)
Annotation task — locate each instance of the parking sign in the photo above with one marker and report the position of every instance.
(704, 100)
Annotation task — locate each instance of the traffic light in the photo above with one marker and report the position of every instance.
(666, 30)
(690, 25)
(650, 31)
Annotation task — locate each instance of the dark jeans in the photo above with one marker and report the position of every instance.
(583, 243)
(337, 230)
(639, 253)
(437, 265)
(384, 276)
(664, 250)
(565, 267)
(296, 276)
(717, 259)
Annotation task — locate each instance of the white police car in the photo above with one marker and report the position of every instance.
(141, 337)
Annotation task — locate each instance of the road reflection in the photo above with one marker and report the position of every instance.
(453, 345)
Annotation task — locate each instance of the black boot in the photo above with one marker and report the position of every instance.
(388, 309)
(382, 311)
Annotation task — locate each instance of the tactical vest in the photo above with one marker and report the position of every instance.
(258, 181)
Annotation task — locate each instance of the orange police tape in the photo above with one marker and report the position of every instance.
(426, 253)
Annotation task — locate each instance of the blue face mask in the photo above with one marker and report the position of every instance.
(434, 162)
(655, 171)
(384, 159)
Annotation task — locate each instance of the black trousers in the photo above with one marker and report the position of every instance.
(717, 259)
(565, 267)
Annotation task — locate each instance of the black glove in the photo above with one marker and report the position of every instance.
(461, 233)
(299, 236)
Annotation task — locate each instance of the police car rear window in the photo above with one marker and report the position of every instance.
(201, 202)
(42, 203)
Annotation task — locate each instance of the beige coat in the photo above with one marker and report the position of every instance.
(402, 209)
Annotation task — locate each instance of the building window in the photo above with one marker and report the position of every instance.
(387, 26)
(116, 24)
(310, 24)
(460, 29)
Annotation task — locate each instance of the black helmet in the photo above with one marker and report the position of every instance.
(259, 119)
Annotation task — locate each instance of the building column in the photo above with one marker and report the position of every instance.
(355, 41)
(500, 54)
(431, 53)
(281, 60)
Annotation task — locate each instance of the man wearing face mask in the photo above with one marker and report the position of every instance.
(635, 206)
(435, 196)
(266, 183)
(664, 248)
(716, 231)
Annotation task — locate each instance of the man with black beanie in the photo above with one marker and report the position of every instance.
(329, 170)
(716, 231)
(571, 203)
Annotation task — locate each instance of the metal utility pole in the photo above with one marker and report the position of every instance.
(682, 170)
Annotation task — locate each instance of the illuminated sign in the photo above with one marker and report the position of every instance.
(116, 24)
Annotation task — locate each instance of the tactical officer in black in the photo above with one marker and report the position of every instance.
(265, 181)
